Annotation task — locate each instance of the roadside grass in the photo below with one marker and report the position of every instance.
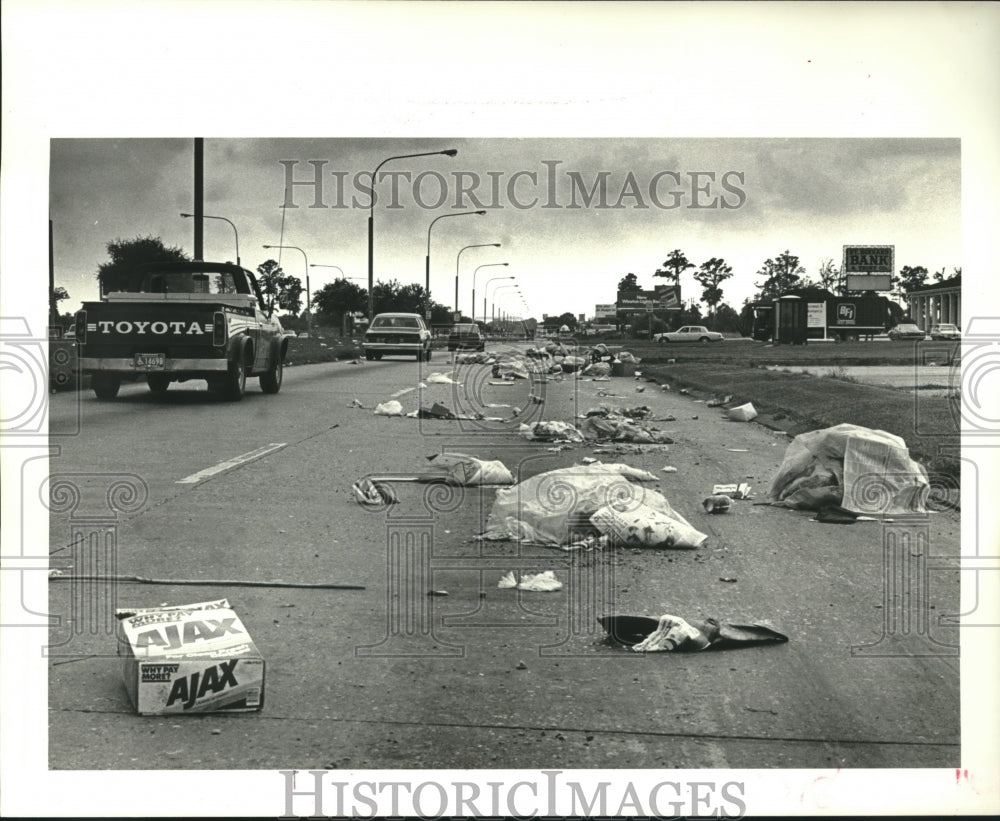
(798, 402)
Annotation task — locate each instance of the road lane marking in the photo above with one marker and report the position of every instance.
(229, 464)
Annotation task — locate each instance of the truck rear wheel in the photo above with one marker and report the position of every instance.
(235, 383)
(158, 383)
(270, 382)
(105, 385)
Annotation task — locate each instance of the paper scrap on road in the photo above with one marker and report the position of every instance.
(544, 582)
(464, 469)
(670, 633)
(368, 492)
(645, 525)
(440, 379)
(390, 408)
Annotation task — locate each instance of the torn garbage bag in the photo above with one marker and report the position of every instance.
(463, 469)
(559, 507)
(863, 470)
(646, 525)
(368, 492)
(390, 408)
(553, 430)
(674, 634)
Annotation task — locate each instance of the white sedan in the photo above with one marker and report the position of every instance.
(689, 333)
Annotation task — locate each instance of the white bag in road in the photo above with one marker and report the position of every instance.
(390, 408)
(863, 470)
(646, 526)
(468, 470)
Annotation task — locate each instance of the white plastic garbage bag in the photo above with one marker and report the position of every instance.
(440, 379)
(551, 431)
(555, 507)
(544, 582)
(598, 369)
(863, 470)
(468, 470)
(646, 526)
(390, 408)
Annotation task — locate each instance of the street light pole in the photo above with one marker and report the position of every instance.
(308, 291)
(493, 304)
(485, 289)
(459, 257)
(427, 274)
(208, 217)
(486, 265)
(451, 152)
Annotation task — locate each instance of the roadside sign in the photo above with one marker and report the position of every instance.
(455, 317)
(649, 307)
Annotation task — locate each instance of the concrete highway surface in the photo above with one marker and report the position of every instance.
(389, 677)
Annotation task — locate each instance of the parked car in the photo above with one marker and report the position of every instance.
(466, 336)
(689, 333)
(392, 333)
(945, 331)
(906, 330)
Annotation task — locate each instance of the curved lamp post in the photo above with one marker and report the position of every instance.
(309, 315)
(486, 287)
(451, 152)
(457, 259)
(224, 219)
(486, 265)
(496, 291)
(427, 274)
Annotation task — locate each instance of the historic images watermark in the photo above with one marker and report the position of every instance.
(547, 793)
(551, 187)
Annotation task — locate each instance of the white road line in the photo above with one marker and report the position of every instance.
(229, 464)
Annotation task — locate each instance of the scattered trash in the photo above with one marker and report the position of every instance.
(440, 379)
(744, 413)
(390, 408)
(841, 516)
(669, 469)
(468, 470)
(571, 364)
(181, 659)
(435, 411)
(728, 579)
(437, 592)
(521, 666)
(368, 492)
(355, 404)
(544, 582)
(718, 503)
(551, 431)
(862, 470)
(737, 450)
(672, 633)
(603, 424)
(643, 525)
(625, 356)
(640, 389)
(739, 490)
(555, 507)
(503, 384)
(695, 416)
(589, 460)
(598, 369)
(715, 403)
(683, 391)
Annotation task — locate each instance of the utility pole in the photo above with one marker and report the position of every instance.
(199, 197)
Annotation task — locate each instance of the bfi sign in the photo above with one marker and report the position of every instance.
(868, 259)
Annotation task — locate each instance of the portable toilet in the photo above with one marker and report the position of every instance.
(790, 320)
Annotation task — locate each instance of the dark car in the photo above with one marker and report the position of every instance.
(906, 330)
(399, 333)
(467, 336)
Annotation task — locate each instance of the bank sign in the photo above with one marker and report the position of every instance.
(868, 259)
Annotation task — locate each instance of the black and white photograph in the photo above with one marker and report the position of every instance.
(484, 409)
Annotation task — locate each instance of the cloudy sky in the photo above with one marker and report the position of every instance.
(573, 215)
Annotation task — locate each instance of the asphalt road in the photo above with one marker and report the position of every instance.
(390, 678)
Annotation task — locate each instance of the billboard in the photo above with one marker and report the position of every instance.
(662, 298)
(868, 259)
(605, 309)
(869, 282)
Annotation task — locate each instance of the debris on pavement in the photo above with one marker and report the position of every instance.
(355, 403)
(463, 469)
(715, 403)
(646, 525)
(544, 582)
(598, 369)
(552, 430)
(669, 469)
(736, 490)
(390, 408)
(717, 503)
(675, 634)
(440, 379)
(836, 515)
(743, 413)
(180, 660)
(862, 470)
(368, 492)
(554, 508)
(437, 592)
(436, 411)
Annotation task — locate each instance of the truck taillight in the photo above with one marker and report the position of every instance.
(80, 330)
(219, 329)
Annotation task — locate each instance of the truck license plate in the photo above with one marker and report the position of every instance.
(150, 361)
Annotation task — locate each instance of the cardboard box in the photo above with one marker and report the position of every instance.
(195, 658)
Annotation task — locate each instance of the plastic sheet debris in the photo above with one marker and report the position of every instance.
(736, 490)
(715, 403)
(511, 368)
(390, 408)
(368, 492)
(552, 430)
(436, 411)
(464, 469)
(440, 379)
(544, 582)
(571, 364)
(717, 503)
(555, 507)
(862, 470)
(743, 413)
(675, 634)
(628, 358)
(645, 525)
(598, 369)
(669, 469)
(606, 425)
